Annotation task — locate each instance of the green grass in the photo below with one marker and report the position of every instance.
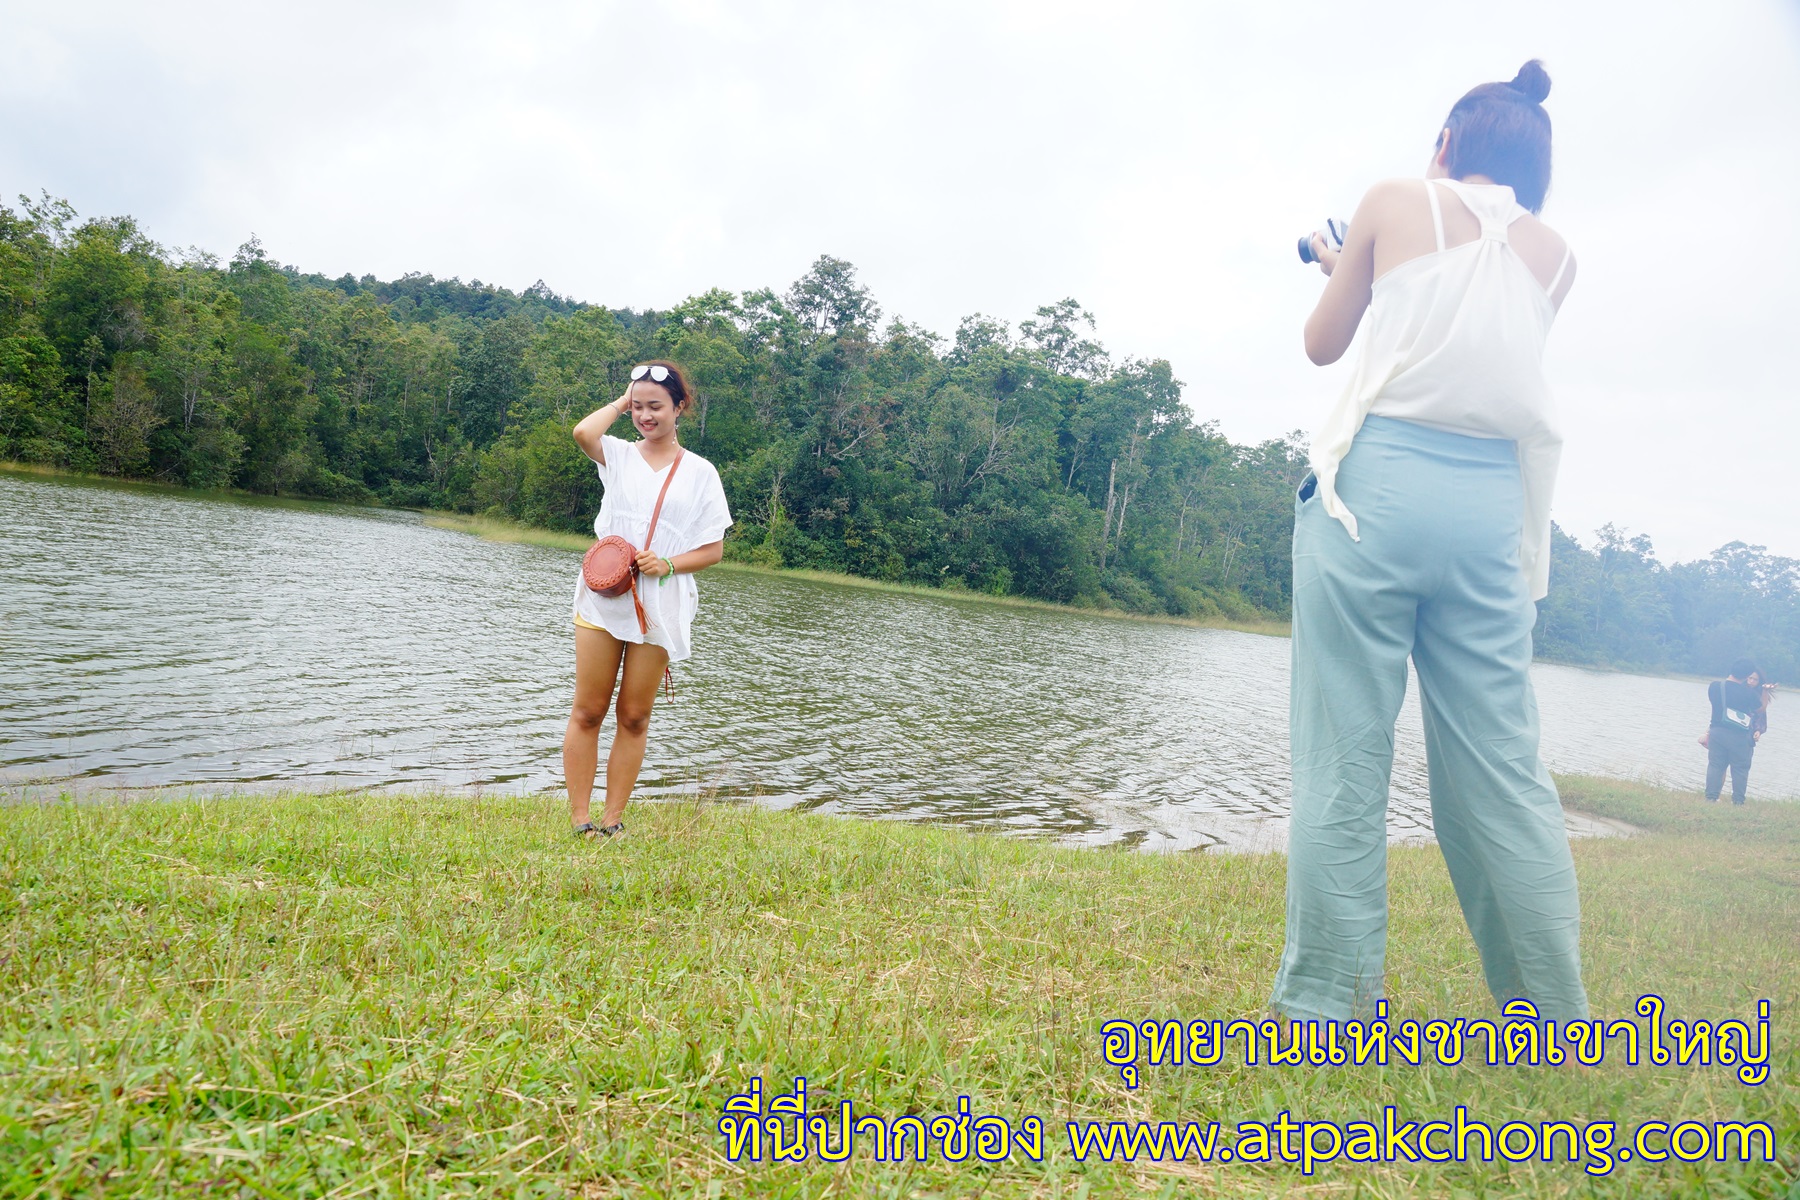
(375, 995)
(491, 529)
(494, 530)
(228, 495)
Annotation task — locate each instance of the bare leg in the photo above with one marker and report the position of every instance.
(643, 674)
(597, 655)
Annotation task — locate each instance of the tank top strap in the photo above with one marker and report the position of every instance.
(1437, 213)
(1560, 268)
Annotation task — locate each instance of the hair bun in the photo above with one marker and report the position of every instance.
(1532, 81)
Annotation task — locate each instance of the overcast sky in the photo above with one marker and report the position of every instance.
(1154, 161)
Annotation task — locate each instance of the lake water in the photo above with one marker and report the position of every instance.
(152, 639)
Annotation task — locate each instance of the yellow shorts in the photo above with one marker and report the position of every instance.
(581, 624)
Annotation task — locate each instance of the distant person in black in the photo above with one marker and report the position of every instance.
(1730, 737)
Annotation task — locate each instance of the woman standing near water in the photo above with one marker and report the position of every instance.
(608, 633)
(1424, 530)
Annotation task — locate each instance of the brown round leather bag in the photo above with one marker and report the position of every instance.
(610, 565)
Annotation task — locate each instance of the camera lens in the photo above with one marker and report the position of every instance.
(1306, 250)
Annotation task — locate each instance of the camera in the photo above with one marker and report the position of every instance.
(1334, 233)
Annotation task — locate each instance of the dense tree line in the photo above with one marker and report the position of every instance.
(1016, 461)
(1615, 605)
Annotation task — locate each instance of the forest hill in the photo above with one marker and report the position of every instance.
(1018, 462)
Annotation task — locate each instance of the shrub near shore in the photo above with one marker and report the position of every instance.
(346, 994)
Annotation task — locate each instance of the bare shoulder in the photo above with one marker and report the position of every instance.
(1388, 191)
(1545, 251)
(1533, 227)
(1389, 197)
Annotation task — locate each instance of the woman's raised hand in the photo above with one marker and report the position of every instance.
(591, 428)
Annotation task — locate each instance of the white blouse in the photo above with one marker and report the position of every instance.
(693, 514)
(1455, 341)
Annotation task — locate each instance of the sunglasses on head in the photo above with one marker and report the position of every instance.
(656, 371)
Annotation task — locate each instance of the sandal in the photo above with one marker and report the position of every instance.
(585, 828)
(613, 830)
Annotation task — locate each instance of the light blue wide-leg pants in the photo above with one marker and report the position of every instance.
(1436, 576)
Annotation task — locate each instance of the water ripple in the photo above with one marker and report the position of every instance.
(153, 638)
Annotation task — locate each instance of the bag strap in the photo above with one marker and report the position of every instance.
(650, 536)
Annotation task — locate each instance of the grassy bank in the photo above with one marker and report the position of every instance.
(509, 531)
(492, 530)
(367, 995)
(157, 487)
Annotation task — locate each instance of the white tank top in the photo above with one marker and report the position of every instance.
(1455, 340)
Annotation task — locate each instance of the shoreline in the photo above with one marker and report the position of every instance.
(493, 529)
(1601, 806)
(229, 495)
(496, 530)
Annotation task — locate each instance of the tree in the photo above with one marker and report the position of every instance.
(828, 301)
(576, 364)
(1024, 463)
(491, 359)
(124, 416)
(1055, 336)
(704, 333)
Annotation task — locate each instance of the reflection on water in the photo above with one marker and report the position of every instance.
(156, 638)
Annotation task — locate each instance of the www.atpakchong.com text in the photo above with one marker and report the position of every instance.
(784, 1130)
(790, 1135)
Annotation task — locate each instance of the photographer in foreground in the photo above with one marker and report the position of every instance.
(1424, 530)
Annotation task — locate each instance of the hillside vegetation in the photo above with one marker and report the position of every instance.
(1017, 460)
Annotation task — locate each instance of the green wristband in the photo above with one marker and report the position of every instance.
(671, 573)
